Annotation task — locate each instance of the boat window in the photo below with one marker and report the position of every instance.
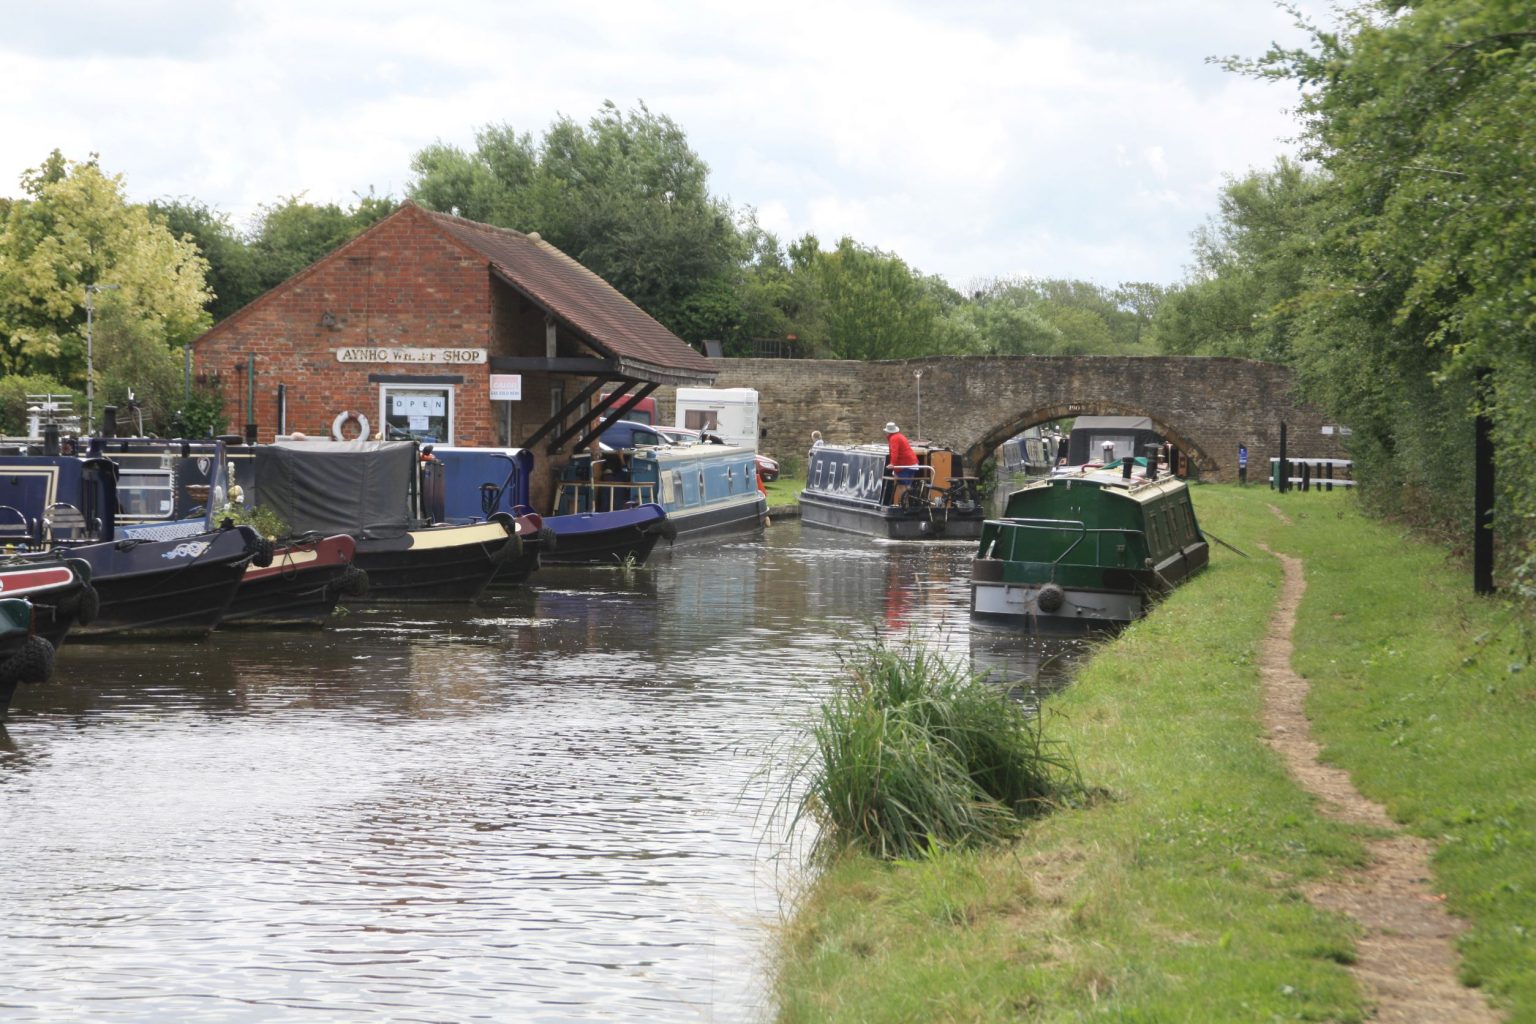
(842, 480)
(145, 494)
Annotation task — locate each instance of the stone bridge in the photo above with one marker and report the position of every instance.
(1206, 406)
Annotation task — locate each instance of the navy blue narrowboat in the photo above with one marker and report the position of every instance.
(850, 488)
(149, 578)
(481, 482)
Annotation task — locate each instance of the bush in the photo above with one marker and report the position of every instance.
(913, 753)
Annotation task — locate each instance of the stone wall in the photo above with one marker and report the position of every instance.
(1207, 406)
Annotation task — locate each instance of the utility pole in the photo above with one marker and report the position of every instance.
(90, 361)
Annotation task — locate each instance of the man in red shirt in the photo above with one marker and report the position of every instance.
(902, 459)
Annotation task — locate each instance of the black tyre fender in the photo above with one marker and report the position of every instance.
(84, 606)
(265, 551)
(33, 663)
(548, 539)
(352, 583)
(666, 530)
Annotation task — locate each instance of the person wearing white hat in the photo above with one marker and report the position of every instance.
(902, 460)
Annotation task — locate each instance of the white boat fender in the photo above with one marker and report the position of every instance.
(341, 420)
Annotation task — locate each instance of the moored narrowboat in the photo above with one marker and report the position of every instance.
(706, 490)
(850, 488)
(1087, 550)
(382, 494)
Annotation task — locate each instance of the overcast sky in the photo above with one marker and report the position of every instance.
(1048, 138)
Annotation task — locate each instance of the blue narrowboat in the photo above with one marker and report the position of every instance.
(482, 482)
(850, 488)
(706, 490)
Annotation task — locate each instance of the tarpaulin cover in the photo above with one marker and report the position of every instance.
(363, 488)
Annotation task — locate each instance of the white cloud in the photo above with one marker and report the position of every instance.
(974, 140)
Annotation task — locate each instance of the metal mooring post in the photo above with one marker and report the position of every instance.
(1482, 493)
(1285, 466)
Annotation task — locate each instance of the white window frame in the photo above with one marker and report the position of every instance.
(385, 390)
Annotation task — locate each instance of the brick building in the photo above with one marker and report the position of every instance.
(439, 328)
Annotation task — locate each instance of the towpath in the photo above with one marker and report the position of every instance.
(1406, 954)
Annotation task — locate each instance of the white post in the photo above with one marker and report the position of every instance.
(919, 375)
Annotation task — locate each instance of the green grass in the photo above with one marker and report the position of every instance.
(1178, 897)
(786, 489)
(913, 753)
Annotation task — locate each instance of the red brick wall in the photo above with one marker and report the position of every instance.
(401, 284)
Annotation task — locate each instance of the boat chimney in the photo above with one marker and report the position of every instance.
(1152, 461)
(1125, 468)
(1108, 455)
(51, 439)
(109, 421)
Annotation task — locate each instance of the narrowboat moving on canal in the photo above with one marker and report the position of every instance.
(1124, 436)
(25, 657)
(387, 496)
(1087, 550)
(850, 488)
(706, 491)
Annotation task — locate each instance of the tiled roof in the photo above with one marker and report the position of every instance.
(572, 293)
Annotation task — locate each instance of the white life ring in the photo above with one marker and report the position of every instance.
(341, 421)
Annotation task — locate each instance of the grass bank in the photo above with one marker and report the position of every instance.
(1177, 896)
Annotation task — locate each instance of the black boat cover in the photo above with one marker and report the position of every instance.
(362, 488)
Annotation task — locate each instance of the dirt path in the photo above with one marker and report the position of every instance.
(1407, 960)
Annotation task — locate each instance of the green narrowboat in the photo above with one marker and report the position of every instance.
(1087, 549)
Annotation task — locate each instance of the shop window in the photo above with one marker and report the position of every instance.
(423, 412)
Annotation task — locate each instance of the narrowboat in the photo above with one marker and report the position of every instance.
(385, 495)
(25, 657)
(706, 490)
(305, 580)
(850, 488)
(1087, 550)
(481, 482)
(169, 489)
(1106, 439)
(166, 579)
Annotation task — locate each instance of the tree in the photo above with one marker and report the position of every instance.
(624, 195)
(860, 303)
(76, 229)
(1420, 115)
(1250, 266)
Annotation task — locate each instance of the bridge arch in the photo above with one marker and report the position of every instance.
(1207, 406)
(987, 446)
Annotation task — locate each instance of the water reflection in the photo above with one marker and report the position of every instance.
(549, 807)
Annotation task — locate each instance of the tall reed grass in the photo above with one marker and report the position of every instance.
(912, 753)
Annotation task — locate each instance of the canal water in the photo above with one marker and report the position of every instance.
(557, 805)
